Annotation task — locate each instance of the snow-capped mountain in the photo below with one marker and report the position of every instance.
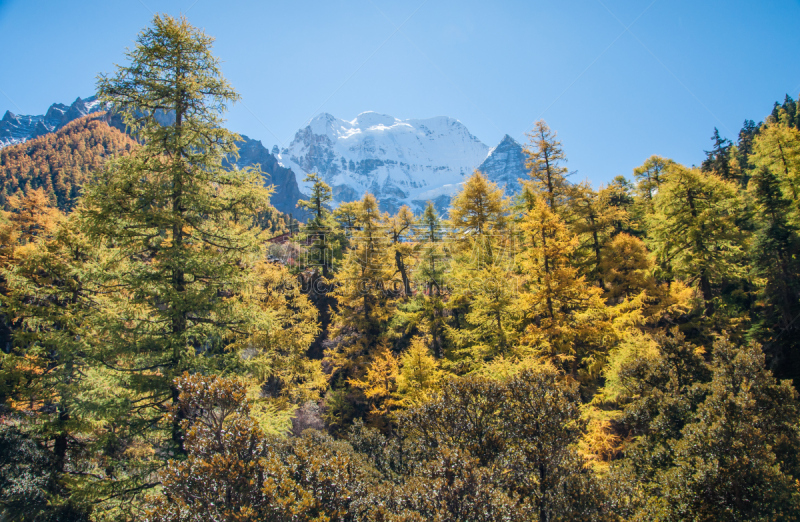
(400, 161)
(18, 128)
(505, 165)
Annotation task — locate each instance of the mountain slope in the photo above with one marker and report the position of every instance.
(287, 192)
(505, 164)
(20, 128)
(62, 161)
(397, 160)
(400, 161)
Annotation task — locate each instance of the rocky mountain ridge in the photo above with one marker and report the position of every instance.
(400, 161)
(18, 128)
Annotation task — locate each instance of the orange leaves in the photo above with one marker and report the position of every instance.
(59, 163)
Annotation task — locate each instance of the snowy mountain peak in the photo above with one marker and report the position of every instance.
(18, 128)
(397, 160)
(323, 125)
(369, 119)
(505, 164)
(508, 140)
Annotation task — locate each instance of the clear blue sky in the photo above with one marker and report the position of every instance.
(615, 96)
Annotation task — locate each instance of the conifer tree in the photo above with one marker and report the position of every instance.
(49, 374)
(363, 295)
(711, 449)
(545, 165)
(180, 223)
(400, 227)
(738, 460)
(777, 147)
(419, 375)
(596, 219)
(621, 193)
(492, 317)
(564, 315)
(32, 215)
(277, 357)
(719, 157)
(482, 270)
(775, 253)
(379, 384)
(693, 229)
(431, 268)
(430, 274)
(346, 214)
(744, 148)
(478, 210)
(649, 176)
(626, 268)
(424, 316)
(366, 274)
(320, 228)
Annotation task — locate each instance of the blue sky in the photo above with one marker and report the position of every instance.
(618, 79)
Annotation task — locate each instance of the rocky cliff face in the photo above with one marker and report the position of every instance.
(18, 128)
(287, 192)
(505, 165)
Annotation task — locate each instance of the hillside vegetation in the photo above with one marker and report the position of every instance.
(60, 163)
(624, 352)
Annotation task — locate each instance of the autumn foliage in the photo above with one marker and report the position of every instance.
(629, 352)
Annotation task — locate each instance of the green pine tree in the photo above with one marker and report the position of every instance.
(775, 255)
(321, 228)
(181, 295)
(693, 230)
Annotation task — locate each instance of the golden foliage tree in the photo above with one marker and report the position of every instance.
(564, 316)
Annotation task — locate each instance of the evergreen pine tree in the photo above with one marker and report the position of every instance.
(693, 230)
(744, 148)
(320, 228)
(775, 254)
(181, 225)
(719, 157)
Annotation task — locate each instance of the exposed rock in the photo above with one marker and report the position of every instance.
(287, 192)
(506, 164)
(20, 128)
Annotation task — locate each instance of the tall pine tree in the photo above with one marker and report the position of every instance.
(180, 296)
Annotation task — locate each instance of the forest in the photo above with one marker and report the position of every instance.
(627, 352)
